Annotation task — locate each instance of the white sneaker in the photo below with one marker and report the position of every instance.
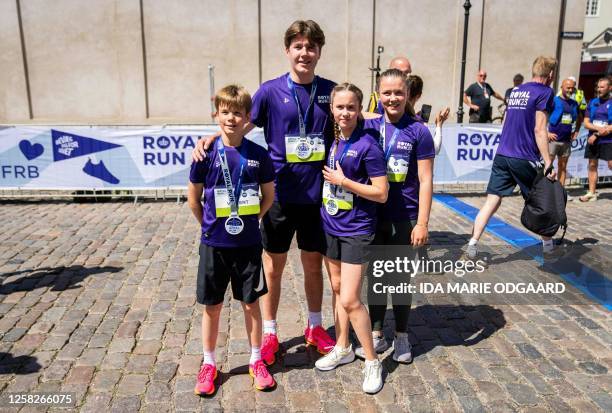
(380, 345)
(372, 380)
(402, 350)
(336, 357)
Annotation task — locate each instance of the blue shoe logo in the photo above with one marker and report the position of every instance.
(31, 151)
(99, 171)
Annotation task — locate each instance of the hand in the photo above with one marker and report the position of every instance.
(418, 236)
(601, 130)
(475, 108)
(334, 176)
(592, 139)
(442, 116)
(199, 152)
(552, 136)
(574, 136)
(552, 175)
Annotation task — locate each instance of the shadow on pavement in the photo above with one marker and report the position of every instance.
(18, 365)
(59, 278)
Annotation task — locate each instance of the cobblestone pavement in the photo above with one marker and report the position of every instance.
(99, 300)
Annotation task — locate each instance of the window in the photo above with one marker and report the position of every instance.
(592, 9)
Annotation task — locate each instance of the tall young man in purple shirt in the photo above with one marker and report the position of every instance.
(294, 111)
(523, 145)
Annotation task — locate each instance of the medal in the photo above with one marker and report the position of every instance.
(303, 150)
(331, 207)
(234, 225)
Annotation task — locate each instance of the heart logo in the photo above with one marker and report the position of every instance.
(31, 151)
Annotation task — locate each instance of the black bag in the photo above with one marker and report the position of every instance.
(544, 210)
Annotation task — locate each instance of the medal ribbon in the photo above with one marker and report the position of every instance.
(382, 130)
(232, 193)
(303, 118)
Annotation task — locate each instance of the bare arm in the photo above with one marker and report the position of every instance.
(420, 231)
(194, 198)
(377, 191)
(468, 102)
(541, 135)
(499, 97)
(267, 198)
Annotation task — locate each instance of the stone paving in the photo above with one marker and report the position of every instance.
(98, 300)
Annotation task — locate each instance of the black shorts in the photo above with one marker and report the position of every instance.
(241, 265)
(598, 151)
(347, 249)
(394, 233)
(507, 173)
(282, 221)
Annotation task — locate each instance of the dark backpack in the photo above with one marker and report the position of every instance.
(544, 210)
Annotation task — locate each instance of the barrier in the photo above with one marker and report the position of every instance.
(158, 157)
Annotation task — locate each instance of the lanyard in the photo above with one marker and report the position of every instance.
(383, 126)
(302, 118)
(332, 154)
(232, 194)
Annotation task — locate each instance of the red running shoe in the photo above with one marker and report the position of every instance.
(318, 337)
(206, 380)
(269, 348)
(262, 379)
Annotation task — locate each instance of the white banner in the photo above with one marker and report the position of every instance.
(124, 157)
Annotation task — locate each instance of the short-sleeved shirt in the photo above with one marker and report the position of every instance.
(274, 109)
(363, 160)
(258, 170)
(480, 95)
(517, 139)
(562, 118)
(601, 116)
(414, 142)
(507, 94)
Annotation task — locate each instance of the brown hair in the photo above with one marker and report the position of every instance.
(543, 66)
(307, 28)
(344, 87)
(392, 73)
(605, 79)
(233, 97)
(414, 84)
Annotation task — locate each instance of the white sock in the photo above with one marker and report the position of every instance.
(269, 327)
(473, 241)
(314, 319)
(370, 362)
(255, 355)
(547, 245)
(209, 358)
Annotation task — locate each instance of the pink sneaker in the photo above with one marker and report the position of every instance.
(269, 348)
(206, 380)
(318, 337)
(261, 378)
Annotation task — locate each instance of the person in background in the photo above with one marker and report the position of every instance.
(478, 97)
(517, 80)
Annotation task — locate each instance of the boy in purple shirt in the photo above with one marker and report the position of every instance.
(598, 120)
(523, 145)
(230, 177)
(293, 110)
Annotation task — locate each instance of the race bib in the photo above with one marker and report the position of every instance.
(248, 204)
(566, 119)
(600, 122)
(397, 169)
(310, 149)
(341, 200)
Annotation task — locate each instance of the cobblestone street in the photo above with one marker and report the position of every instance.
(99, 299)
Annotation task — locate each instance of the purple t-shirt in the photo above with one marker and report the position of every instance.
(562, 118)
(413, 143)
(362, 160)
(518, 137)
(600, 117)
(275, 109)
(258, 170)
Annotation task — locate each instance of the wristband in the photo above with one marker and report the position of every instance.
(423, 225)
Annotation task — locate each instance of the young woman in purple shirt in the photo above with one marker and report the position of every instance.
(355, 180)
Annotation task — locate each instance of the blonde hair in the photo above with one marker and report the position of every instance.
(344, 87)
(307, 28)
(234, 97)
(543, 66)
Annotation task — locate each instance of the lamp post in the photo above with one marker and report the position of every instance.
(467, 7)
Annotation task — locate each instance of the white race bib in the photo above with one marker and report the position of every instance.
(310, 149)
(600, 122)
(248, 204)
(566, 119)
(397, 169)
(341, 200)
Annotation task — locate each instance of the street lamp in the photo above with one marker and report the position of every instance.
(467, 7)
